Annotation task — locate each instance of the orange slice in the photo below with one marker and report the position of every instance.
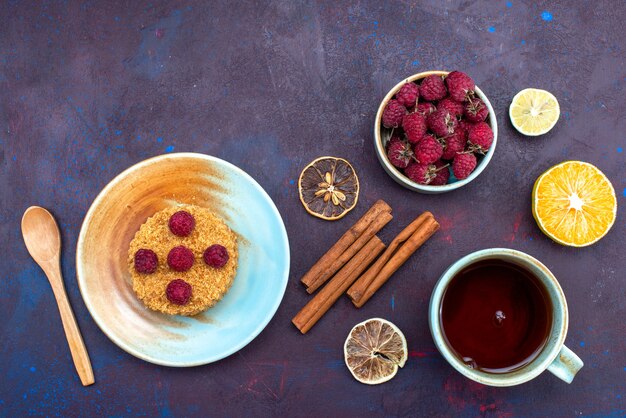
(574, 203)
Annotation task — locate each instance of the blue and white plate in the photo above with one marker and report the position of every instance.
(137, 193)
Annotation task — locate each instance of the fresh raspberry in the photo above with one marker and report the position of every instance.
(480, 137)
(408, 94)
(180, 258)
(178, 292)
(425, 108)
(435, 174)
(463, 165)
(459, 85)
(216, 256)
(399, 152)
(414, 125)
(441, 174)
(146, 261)
(465, 125)
(451, 106)
(393, 114)
(394, 138)
(441, 122)
(463, 130)
(454, 144)
(418, 173)
(432, 88)
(428, 150)
(475, 110)
(182, 223)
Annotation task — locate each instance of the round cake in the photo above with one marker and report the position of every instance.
(182, 260)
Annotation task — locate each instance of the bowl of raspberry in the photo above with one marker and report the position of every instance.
(435, 131)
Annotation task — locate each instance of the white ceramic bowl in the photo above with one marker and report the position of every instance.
(381, 136)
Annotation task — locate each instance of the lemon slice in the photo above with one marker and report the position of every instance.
(329, 188)
(534, 112)
(574, 203)
(374, 350)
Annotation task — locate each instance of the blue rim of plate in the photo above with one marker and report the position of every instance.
(270, 313)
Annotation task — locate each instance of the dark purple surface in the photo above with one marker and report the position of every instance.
(89, 88)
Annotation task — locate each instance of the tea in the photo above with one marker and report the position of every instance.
(496, 316)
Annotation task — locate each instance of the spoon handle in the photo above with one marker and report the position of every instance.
(72, 333)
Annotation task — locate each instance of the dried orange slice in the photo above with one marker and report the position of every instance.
(329, 188)
(374, 350)
(574, 203)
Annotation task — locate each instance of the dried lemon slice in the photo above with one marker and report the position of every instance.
(534, 112)
(329, 188)
(374, 350)
(574, 203)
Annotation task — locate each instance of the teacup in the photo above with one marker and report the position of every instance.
(552, 355)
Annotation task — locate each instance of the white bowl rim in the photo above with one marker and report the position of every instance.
(80, 274)
(401, 178)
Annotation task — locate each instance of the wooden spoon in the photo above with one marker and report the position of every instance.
(43, 241)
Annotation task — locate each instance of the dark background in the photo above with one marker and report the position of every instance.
(89, 88)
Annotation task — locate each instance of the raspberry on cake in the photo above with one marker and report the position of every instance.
(186, 284)
(182, 223)
(178, 292)
(146, 261)
(180, 258)
(216, 256)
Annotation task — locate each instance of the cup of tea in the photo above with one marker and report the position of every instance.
(499, 317)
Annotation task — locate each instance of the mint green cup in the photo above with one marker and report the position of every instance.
(555, 356)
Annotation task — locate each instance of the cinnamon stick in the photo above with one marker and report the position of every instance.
(325, 298)
(377, 224)
(419, 237)
(357, 290)
(346, 240)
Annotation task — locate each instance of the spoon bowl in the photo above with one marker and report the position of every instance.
(37, 223)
